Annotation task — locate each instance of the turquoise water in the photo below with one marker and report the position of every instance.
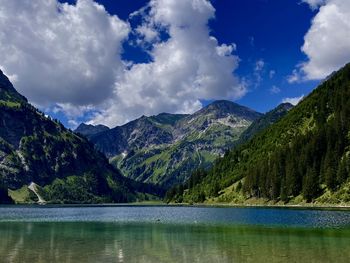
(172, 234)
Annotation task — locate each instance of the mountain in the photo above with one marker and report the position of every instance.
(89, 129)
(264, 121)
(304, 157)
(219, 112)
(165, 148)
(8, 92)
(145, 132)
(65, 166)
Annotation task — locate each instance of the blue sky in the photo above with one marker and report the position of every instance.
(271, 31)
(92, 61)
(268, 30)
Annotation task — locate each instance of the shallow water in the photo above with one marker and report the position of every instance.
(173, 234)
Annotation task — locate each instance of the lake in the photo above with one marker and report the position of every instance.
(172, 234)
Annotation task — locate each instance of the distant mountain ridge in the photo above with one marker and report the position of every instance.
(89, 129)
(165, 148)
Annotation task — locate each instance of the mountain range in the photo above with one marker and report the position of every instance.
(224, 152)
(165, 149)
(303, 157)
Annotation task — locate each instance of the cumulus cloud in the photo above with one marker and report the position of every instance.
(149, 34)
(61, 53)
(314, 4)
(189, 66)
(225, 50)
(294, 100)
(67, 57)
(327, 43)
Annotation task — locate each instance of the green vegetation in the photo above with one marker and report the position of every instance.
(4, 195)
(22, 195)
(264, 122)
(304, 156)
(165, 149)
(65, 166)
(76, 189)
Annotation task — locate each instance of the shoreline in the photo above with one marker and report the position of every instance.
(213, 205)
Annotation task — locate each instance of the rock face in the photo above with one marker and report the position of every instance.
(164, 149)
(34, 148)
(145, 132)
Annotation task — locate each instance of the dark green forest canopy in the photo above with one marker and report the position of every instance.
(305, 154)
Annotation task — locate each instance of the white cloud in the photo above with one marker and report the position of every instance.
(148, 33)
(258, 71)
(259, 65)
(275, 90)
(187, 67)
(73, 124)
(61, 53)
(294, 100)
(226, 50)
(327, 43)
(67, 58)
(272, 73)
(71, 110)
(294, 77)
(314, 4)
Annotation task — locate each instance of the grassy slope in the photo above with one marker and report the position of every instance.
(170, 164)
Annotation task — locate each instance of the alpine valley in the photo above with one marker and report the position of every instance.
(166, 148)
(223, 153)
(57, 164)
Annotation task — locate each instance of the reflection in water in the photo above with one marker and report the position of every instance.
(112, 242)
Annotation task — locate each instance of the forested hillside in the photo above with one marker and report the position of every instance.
(303, 157)
(35, 148)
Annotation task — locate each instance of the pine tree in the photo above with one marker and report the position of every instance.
(310, 185)
(342, 173)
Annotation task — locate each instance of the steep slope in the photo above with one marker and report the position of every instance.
(34, 148)
(265, 121)
(303, 157)
(88, 130)
(164, 149)
(145, 132)
(219, 112)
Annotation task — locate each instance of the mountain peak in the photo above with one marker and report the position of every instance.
(222, 103)
(89, 129)
(285, 105)
(223, 108)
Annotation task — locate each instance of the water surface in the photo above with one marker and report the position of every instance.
(172, 234)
